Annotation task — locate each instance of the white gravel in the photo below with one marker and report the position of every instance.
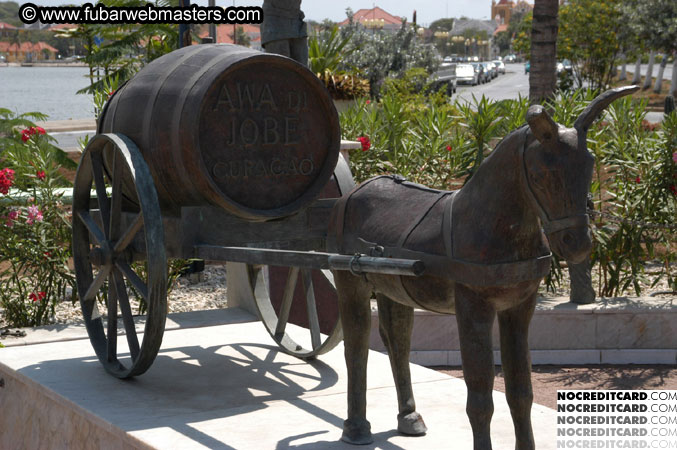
(209, 292)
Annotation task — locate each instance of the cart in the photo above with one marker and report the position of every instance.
(224, 154)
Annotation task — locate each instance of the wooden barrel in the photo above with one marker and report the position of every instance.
(253, 133)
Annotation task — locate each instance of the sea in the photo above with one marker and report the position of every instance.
(49, 90)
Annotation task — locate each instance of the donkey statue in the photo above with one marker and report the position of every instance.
(485, 254)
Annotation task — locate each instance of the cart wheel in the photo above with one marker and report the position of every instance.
(107, 235)
(302, 297)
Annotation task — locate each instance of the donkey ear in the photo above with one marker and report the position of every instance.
(598, 105)
(541, 124)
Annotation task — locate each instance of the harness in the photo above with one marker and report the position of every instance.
(448, 266)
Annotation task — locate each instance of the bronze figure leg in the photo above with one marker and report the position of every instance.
(475, 317)
(516, 361)
(355, 311)
(396, 322)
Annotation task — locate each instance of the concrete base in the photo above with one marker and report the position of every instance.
(218, 382)
(609, 331)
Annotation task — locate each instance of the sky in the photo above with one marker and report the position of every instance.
(427, 10)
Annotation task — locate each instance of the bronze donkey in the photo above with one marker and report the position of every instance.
(485, 254)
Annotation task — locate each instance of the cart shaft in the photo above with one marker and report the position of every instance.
(357, 264)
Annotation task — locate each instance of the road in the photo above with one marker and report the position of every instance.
(512, 84)
(667, 74)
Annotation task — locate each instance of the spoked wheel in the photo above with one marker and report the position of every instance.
(122, 225)
(302, 297)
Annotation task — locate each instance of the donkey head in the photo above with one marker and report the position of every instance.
(557, 172)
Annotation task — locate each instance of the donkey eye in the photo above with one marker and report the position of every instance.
(536, 180)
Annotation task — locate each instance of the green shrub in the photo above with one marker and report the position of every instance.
(35, 231)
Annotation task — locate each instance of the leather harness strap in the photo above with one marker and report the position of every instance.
(443, 266)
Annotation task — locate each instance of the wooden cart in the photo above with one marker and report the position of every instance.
(225, 154)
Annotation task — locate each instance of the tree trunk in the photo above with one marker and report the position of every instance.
(624, 73)
(543, 71)
(659, 78)
(637, 77)
(649, 71)
(673, 81)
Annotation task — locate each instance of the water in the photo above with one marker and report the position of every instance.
(49, 90)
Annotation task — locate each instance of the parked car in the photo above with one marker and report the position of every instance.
(499, 65)
(510, 59)
(482, 73)
(466, 74)
(445, 76)
(491, 69)
(564, 66)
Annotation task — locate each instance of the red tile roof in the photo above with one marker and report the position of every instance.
(374, 13)
(6, 26)
(501, 27)
(26, 47)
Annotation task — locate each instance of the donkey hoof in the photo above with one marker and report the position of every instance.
(411, 424)
(357, 432)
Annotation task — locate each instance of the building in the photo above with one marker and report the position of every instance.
(225, 32)
(503, 11)
(375, 19)
(6, 30)
(27, 51)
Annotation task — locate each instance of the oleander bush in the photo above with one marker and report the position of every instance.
(35, 232)
(421, 135)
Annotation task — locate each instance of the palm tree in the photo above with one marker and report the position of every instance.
(543, 73)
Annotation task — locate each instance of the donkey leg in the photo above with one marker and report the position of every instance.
(355, 311)
(396, 322)
(475, 318)
(516, 362)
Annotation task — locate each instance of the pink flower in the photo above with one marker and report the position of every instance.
(366, 143)
(6, 180)
(674, 157)
(40, 174)
(367, 102)
(11, 217)
(638, 180)
(449, 148)
(34, 215)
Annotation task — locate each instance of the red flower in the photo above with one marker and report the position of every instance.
(6, 179)
(25, 135)
(40, 174)
(673, 188)
(449, 148)
(638, 180)
(38, 130)
(366, 143)
(367, 102)
(36, 297)
(47, 254)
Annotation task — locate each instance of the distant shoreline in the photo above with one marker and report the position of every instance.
(44, 64)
